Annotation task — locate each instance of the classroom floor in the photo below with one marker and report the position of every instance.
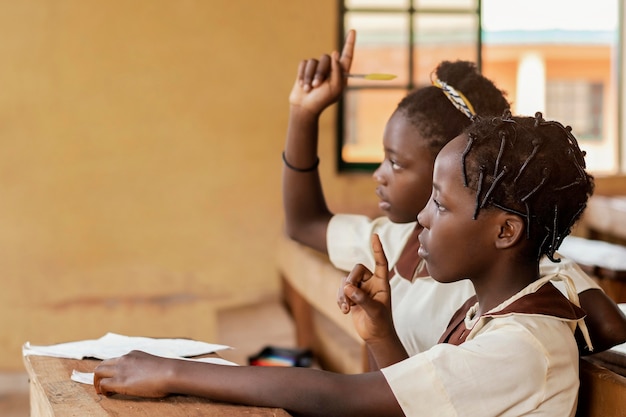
(247, 329)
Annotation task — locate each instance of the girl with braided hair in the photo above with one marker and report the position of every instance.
(423, 122)
(473, 227)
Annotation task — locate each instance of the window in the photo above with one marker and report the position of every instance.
(560, 57)
(579, 101)
(408, 39)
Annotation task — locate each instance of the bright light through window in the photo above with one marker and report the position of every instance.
(559, 57)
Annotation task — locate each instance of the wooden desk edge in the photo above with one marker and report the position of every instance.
(54, 394)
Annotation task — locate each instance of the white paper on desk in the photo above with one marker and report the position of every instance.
(87, 377)
(114, 345)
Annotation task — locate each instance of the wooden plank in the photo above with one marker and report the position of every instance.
(602, 392)
(302, 314)
(54, 394)
(612, 360)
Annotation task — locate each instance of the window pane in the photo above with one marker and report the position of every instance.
(381, 45)
(565, 68)
(378, 4)
(580, 103)
(365, 114)
(441, 37)
(447, 4)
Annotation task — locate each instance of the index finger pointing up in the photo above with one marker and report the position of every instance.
(348, 51)
(381, 270)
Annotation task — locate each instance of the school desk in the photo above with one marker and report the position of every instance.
(602, 390)
(54, 394)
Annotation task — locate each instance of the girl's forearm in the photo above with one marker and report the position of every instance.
(302, 136)
(300, 390)
(306, 212)
(257, 386)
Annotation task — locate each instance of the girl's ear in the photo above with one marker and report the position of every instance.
(512, 230)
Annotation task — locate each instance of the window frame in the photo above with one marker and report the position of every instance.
(341, 164)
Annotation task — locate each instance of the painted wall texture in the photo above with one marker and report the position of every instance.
(140, 161)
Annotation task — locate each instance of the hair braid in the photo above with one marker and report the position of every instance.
(530, 167)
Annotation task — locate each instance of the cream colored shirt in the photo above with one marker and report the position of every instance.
(422, 307)
(510, 365)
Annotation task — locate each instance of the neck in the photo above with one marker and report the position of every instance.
(499, 285)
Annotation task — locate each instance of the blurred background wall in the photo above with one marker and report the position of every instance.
(140, 161)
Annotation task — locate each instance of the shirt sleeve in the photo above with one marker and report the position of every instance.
(348, 239)
(581, 280)
(482, 377)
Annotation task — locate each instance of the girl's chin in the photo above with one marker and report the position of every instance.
(399, 219)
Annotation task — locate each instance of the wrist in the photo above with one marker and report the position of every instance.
(386, 350)
(299, 112)
(171, 377)
(309, 168)
(383, 341)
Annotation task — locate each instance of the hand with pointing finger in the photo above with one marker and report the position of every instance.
(368, 298)
(320, 82)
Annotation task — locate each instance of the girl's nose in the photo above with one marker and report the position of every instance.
(420, 219)
(422, 216)
(378, 176)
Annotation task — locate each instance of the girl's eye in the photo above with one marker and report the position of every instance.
(438, 205)
(394, 164)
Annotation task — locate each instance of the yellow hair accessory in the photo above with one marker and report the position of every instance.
(456, 97)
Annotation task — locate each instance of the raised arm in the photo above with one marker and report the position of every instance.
(301, 391)
(319, 84)
(368, 298)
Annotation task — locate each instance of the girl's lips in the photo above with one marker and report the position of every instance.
(382, 204)
(421, 251)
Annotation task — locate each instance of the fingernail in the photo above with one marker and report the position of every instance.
(348, 290)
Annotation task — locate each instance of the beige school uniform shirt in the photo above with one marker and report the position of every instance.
(422, 307)
(518, 359)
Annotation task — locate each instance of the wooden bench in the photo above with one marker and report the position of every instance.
(602, 391)
(310, 284)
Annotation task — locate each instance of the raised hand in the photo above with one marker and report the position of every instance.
(320, 82)
(368, 298)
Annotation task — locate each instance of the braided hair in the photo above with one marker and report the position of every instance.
(436, 119)
(530, 167)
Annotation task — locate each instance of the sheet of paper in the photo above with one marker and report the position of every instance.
(114, 345)
(87, 377)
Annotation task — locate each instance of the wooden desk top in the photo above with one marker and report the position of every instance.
(610, 359)
(53, 393)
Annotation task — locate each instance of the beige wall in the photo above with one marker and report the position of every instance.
(140, 161)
